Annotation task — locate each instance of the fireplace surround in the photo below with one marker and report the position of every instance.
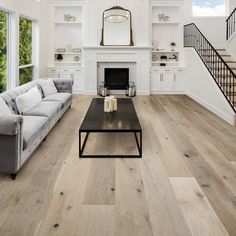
(137, 59)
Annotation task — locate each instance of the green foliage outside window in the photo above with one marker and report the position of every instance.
(26, 75)
(25, 50)
(25, 41)
(3, 51)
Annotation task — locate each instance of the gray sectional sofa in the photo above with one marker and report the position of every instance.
(20, 135)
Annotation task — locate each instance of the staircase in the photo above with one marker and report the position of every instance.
(219, 62)
(231, 25)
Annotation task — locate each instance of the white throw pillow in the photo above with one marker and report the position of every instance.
(48, 87)
(28, 100)
(4, 109)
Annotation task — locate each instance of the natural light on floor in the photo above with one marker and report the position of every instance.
(209, 8)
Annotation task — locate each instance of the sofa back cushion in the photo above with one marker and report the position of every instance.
(48, 87)
(28, 100)
(10, 95)
(4, 109)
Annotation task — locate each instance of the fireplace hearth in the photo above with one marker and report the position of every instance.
(116, 78)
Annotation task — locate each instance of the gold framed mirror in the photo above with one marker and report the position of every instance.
(117, 27)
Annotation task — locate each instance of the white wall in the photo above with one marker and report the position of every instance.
(214, 28)
(203, 89)
(27, 8)
(44, 38)
(231, 46)
(232, 5)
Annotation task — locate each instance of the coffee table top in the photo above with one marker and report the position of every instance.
(125, 119)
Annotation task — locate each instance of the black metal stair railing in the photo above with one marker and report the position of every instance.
(231, 24)
(223, 75)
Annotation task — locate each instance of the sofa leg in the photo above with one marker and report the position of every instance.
(45, 139)
(13, 176)
(58, 120)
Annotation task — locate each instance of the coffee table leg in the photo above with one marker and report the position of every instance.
(81, 149)
(139, 143)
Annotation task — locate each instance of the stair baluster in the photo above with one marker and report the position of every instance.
(222, 74)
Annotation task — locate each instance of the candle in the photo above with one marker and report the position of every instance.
(111, 104)
(106, 104)
(115, 104)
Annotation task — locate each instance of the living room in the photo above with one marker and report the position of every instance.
(117, 117)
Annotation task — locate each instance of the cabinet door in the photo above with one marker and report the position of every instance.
(179, 80)
(53, 73)
(155, 79)
(167, 80)
(77, 76)
(65, 74)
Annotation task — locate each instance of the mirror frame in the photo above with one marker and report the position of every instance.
(131, 33)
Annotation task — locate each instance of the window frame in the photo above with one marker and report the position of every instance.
(8, 46)
(211, 17)
(33, 55)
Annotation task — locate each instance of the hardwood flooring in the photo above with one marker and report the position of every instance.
(185, 184)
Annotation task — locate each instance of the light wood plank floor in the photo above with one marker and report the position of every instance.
(185, 184)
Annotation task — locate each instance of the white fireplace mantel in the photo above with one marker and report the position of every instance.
(141, 55)
(117, 47)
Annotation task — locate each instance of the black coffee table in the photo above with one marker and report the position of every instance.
(125, 120)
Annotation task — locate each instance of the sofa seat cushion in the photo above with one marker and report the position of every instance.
(64, 98)
(45, 108)
(33, 127)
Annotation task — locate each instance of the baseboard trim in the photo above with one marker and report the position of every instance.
(231, 119)
(143, 92)
(90, 92)
(78, 92)
(156, 92)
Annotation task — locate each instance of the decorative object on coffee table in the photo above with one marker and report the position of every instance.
(125, 120)
(110, 104)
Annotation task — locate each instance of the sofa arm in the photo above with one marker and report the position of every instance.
(10, 143)
(63, 85)
(10, 124)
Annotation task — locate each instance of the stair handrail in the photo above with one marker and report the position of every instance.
(222, 60)
(231, 17)
(215, 58)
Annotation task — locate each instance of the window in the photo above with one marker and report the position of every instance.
(209, 8)
(3, 50)
(26, 65)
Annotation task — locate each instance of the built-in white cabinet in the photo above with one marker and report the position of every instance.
(169, 81)
(166, 31)
(74, 73)
(67, 33)
(77, 76)
(179, 80)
